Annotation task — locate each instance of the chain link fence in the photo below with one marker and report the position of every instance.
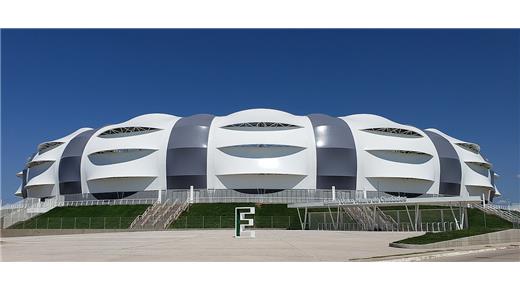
(75, 223)
(427, 220)
(221, 222)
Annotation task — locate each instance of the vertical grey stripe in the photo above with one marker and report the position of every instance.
(493, 192)
(451, 171)
(70, 163)
(186, 156)
(24, 182)
(335, 153)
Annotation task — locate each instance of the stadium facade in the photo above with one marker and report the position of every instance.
(257, 151)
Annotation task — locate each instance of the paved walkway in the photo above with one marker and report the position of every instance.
(209, 245)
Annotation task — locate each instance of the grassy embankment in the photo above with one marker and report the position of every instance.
(479, 223)
(222, 215)
(85, 217)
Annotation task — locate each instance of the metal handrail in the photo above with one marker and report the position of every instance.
(140, 217)
(498, 212)
(169, 206)
(183, 206)
(108, 202)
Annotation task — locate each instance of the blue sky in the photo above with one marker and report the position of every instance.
(463, 82)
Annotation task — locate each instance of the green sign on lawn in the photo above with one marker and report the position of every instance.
(241, 222)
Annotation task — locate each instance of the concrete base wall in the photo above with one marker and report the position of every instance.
(50, 232)
(507, 236)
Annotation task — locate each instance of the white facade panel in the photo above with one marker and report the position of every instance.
(393, 162)
(138, 173)
(43, 169)
(295, 169)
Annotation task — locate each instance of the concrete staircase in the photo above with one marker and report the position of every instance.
(160, 215)
(370, 219)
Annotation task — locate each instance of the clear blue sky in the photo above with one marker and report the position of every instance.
(463, 82)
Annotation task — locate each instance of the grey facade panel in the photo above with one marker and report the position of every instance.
(186, 157)
(69, 172)
(190, 137)
(450, 168)
(185, 181)
(335, 153)
(24, 182)
(332, 161)
(331, 132)
(443, 146)
(186, 161)
(340, 182)
(77, 144)
(492, 193)
(70, 187)
(447, 188)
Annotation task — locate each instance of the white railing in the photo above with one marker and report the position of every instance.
(24, 203)
(508, 207)
(402, 227)
(505, 214)
(109, 202)
(225, 196)
(153, 210)
(140, 217)
(180, 209)
(284, 196)
(161, 212)
(26, 209)
(15, 217)
(31, 207)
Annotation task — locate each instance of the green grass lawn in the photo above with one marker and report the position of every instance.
(84, 217)
(479, 223)
(222, 215)
(428, 215)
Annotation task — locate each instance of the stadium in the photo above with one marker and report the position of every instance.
(257, 151)
(353, 167)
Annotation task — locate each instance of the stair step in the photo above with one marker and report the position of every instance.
(159, 215)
